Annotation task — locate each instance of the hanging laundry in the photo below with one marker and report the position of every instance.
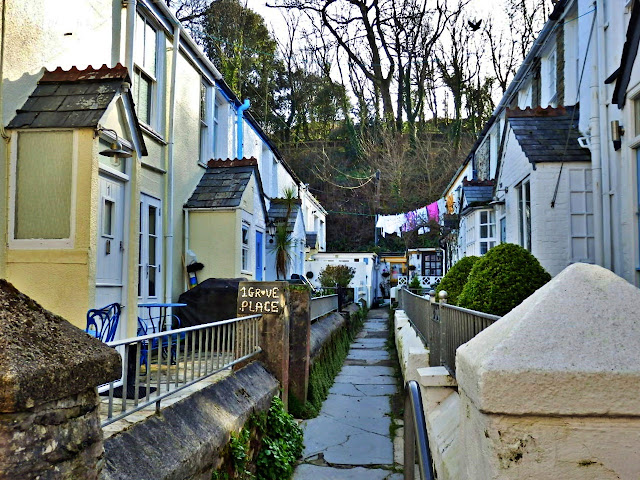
(432, 209)
(390, 224)
(411, 221)
(442, 207)
(450, 203)
(422, 216)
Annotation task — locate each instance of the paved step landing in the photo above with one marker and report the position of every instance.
(350, 438)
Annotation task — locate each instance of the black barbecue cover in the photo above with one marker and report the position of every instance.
(210, 301)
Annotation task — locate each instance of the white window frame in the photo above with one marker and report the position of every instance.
(489, 240)
(552, 76)
(524, 227)
(155, 77)
(147, 201)
(44, 243)
(245, 267)
(206, 122)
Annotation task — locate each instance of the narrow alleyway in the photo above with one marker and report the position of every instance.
(351, 437)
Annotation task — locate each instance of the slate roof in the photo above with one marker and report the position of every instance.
(221, 187)
(548, 134)
(477, 192)
(73, 99)
(278, 212)
(312, 239)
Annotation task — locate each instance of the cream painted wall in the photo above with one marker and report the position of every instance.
(212, 238)
(62, 280)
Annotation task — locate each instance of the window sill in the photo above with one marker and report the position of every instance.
(152, 133)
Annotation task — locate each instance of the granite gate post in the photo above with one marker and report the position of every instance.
(271, 300)
(299, 342)
(49, 405)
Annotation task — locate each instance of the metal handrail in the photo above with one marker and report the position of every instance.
(415, 430)
(475, 313)
(321, 306)
(176, 359)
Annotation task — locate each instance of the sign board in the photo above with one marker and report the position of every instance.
(260, 298)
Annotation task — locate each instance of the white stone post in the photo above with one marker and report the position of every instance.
(552, 390)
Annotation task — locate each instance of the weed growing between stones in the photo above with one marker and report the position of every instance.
(396, 401)
(326, 366)
(266, 448)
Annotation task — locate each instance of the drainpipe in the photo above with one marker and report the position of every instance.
(241, 110)
(604, 140)
(170, 178)
(596, 147)
(3, 132)
(130, 26)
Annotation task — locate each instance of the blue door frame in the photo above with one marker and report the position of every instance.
(259, 266)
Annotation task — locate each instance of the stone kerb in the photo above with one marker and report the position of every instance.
(49, 371)
(544, 390)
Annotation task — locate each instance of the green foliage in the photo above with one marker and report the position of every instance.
(502, 279)
(415, 284)
(333, 275)
(276, 438)
(239, 449)
(239, 44)
(454, 280)
(281, 444)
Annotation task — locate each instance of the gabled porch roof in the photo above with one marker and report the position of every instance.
(223, 184)
(75, 99)
(548, 134)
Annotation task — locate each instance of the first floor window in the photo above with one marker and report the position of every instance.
(245, 247)
(205, 121)
(487, 231)
(524, 214)
(146, 69)
(432, 264)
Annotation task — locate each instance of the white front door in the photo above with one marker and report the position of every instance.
(150, 250)
(111, 243)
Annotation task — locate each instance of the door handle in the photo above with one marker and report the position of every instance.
(121, 246)
(108, 248)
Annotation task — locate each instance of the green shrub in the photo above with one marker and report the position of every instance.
(454, 280)
(415, 284)
(502, 279)
(333, 275)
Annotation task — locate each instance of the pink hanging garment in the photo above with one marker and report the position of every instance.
(432, 209)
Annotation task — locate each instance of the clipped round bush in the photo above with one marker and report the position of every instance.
(502, 279)
(455, 279)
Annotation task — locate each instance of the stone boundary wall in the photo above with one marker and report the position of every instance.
(440, 398)
(322, 330)
(325, 327)
(187, 439)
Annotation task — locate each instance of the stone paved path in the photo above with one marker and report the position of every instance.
(350, 438)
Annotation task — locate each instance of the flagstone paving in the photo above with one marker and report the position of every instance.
(350, 438)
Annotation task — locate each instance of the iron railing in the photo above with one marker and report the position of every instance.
(443, 327)
(415, 435)
(321, 306)
(158, 365)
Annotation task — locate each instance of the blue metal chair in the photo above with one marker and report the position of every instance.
(155, 325)
(102, 323)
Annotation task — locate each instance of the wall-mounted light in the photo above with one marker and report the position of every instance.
(116, 151)
(616, 133)
(271, 230)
